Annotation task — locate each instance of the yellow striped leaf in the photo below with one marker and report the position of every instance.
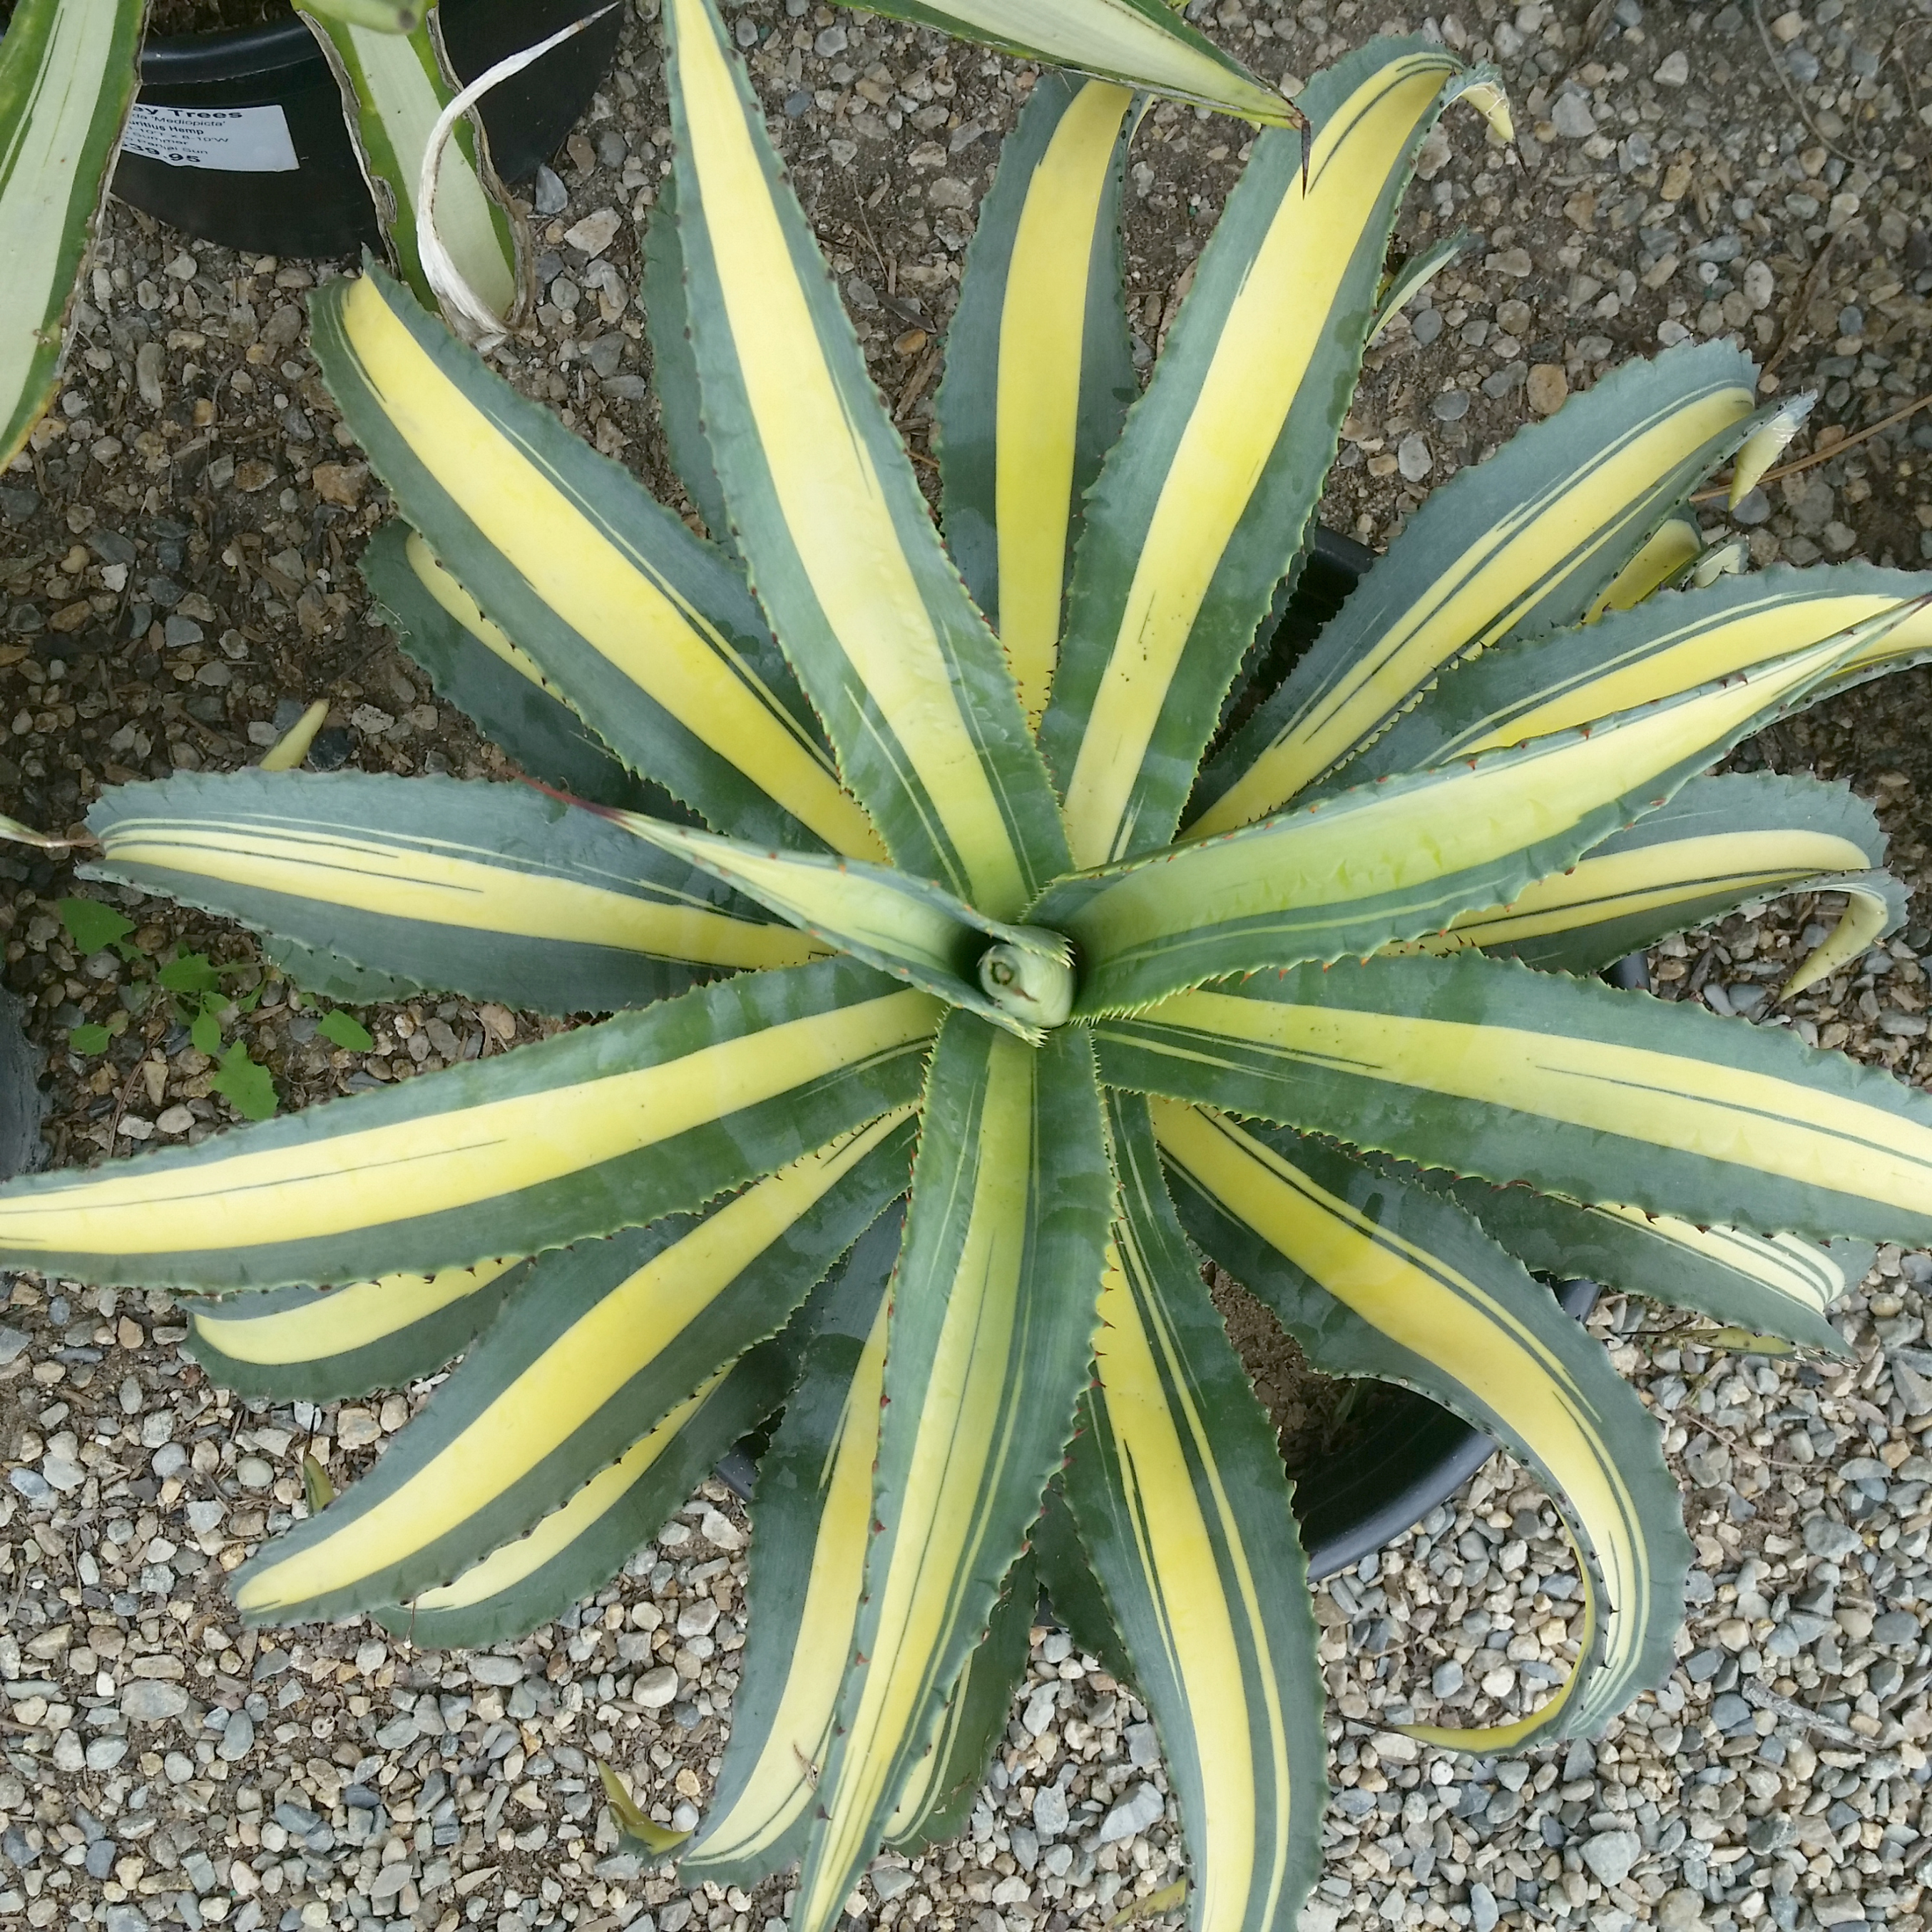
(1515, 546)
(992, 1331)
(1352, 872)
(915, 694)
(580, 1545)
(67, 80)
(1671, 551)
(1073, 1590)
(940, 1791)
(1139, 43)
(573, 1138)
(812, 1523)
(474, 666)
(598, 1343)
(493, 890)
(1376, 1277)
(674, 367)
(319, 1344)
(1201, 507)
(1721, 843)
(1039, 366)
(1779, 1284)
(1485, 1068)
(639, 623)
(393, 86)
(1176, 1485)
(1672, 642)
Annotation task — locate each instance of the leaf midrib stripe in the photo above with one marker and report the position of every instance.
(1630, 1549)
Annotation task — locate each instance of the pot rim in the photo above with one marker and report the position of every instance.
(239, 53)
(230, 53)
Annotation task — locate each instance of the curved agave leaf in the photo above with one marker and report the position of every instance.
(607, 1127)
(1039, 366)
(1875, 905)
(1719, 844)
(1675, 546)
(1072, 1590)
(1140, 42)
(812, 1524)
(1399, 289)
(67, 81)
(1518, 545)
(1200, 508)
(492, 890)
(578, 1547)
(640, 624)
(475, 666)
(992, 1332)
(1176, 1485)
(1673, 642)
(918, 700)
(395, 83)
(1779, 1285)
(1353, 872)
(600, 1342)
(319, 1345)
(674, 366)
(1485, 1068)
(939, 1793)
(1384, 1279)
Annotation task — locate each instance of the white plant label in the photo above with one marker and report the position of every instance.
(231, 140)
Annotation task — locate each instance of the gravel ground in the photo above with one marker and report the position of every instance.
(177, 555)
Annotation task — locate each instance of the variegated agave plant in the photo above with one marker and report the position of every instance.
(989, 907)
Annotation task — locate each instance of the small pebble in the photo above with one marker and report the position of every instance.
(1546, 387)
(1572, 117)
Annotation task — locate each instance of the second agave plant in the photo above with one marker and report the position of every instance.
(968, 982)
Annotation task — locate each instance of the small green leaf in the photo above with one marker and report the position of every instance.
(1169, 1898)
(345, 1029)
(246, 1086)
(205, 1031)
(89, 1038)
(189, 972)
(90, 925)
(317, 1487)
(635, 1826)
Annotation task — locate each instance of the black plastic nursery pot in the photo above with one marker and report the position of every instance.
(238, 137)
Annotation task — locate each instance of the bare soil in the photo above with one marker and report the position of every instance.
(169, 18)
